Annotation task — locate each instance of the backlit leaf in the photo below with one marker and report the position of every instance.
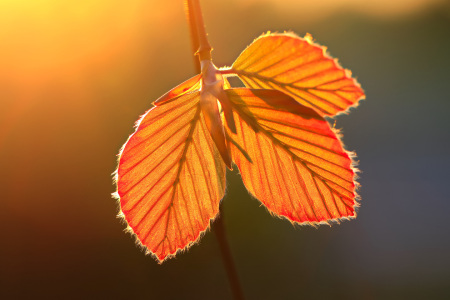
(299, 68)
(299, 168)
(171, 177)
(189, 85)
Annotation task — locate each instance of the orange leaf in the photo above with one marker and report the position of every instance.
(171, 177)
(300, 69)
(300, 169)
(189, 85)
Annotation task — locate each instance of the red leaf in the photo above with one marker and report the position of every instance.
(300, 69)
(189, 85)
(298, 166)
(171, 177)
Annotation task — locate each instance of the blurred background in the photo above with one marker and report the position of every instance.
(76, 75)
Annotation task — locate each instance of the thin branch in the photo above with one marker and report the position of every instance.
(204, 48)
(227, 258)
(193, 33)
(201, 45)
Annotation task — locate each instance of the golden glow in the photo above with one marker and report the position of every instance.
(58, 38)
(53, 49)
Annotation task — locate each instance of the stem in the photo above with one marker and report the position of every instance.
(227, 258)
(201, 44)
(227, 71)
(194, 35)
(196, 20)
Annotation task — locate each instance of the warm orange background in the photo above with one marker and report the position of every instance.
(75, 76)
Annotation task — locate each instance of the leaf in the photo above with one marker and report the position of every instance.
(300, 169)
(299, 68)
(189, 85)
(170, 177)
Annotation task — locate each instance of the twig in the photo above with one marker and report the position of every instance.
(202, 48)
(227, 258)
(193, 33)
(195, 18)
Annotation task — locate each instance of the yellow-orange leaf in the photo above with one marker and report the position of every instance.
(299, 168)
(189, 85)
(300, 69)
(171, 177)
